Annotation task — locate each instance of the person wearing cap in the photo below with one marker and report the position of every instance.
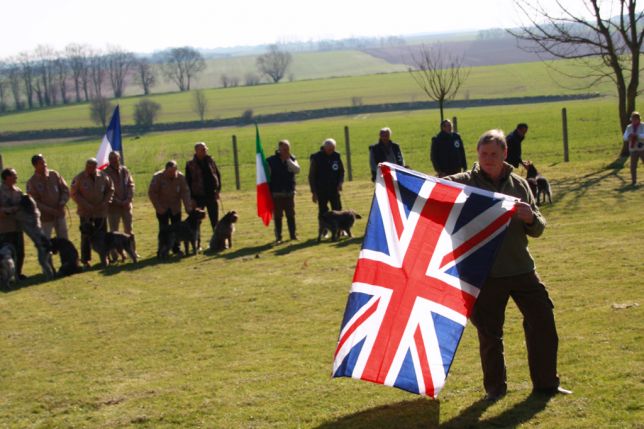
(283, 167)
(384, 151)
(51, 193)
(92, 191)
(634, 137)
(447, 151)
(204, 181)
(326, 177)
(167, 190)
(120, 208)
(10, 231)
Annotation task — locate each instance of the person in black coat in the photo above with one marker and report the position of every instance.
(447, 151)
(384, 151)
(326, 176)
(514, 140)
(283, 168)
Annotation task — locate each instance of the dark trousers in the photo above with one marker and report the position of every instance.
(326, 198)
(284, 204)
(100, 224)
(165, 220)
(488, 316)
(212, 205)
(17, 240)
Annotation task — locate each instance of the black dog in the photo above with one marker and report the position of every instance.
(223, 236)
(109, 245)
(539, 185)
(68, 256)
(337, 221)
(186, 232)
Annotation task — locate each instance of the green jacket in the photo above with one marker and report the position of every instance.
(513, 257)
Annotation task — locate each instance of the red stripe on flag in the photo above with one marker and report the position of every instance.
(478, 238)
(356, 325)
(264, 203)
(424, 362)
(393, 201)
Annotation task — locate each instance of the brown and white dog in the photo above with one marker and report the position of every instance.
(223, 236)
(337, 221)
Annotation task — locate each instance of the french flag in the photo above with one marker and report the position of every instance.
(111, 140)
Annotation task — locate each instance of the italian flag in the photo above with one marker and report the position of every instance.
(264, 199)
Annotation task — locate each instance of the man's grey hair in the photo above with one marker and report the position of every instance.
(386, 130)
(114, 153)
(493, 136)
(284, 142)
(329, 142)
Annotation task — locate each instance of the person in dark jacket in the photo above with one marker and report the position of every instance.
(204, 181)
(447, 151)
(514, 140)
(384, 151)
(326, 176)
(283, 167)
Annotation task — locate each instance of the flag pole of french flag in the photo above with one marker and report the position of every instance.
(111, 141)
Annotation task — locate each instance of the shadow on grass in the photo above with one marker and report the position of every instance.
(419, 413)
(240, 253)
(579, 187)
(28, 282)
(349, 242)
(285, 249)
(128, 265)
(514, 416)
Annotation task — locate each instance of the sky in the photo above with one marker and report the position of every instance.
(146, 26)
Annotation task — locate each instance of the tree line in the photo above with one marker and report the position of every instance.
(79, 73)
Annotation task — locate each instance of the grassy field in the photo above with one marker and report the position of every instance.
(245, 338)
(514, 80)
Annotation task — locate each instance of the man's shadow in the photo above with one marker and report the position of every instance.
(519, 413)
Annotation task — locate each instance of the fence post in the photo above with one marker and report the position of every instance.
(564, 122)
(1, 163)
(347, 142)
(455, 124)
(236, 161)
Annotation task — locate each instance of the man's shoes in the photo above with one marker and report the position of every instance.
(85, 264)
(551, 391)
(493, 397)
(22, 277)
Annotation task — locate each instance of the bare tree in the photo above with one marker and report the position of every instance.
(614, 39)
(181, 65)
(439, 74)
(14, 78)
(145, 112)
(251, 79)
(96, 72)
(118, 64)
(274, 63)
(145, 75)
(27, 75)
(200, 103)
(4, 85)
(61, 67)
(78, 65)
(45, 86)
(99, 109)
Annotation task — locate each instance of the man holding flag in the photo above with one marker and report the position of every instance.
(512, 275)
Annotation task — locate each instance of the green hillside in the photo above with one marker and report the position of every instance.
(515, 80)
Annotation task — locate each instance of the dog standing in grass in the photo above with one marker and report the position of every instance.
(337, 222)
(7, 265)
(223, 236)
(539, 185)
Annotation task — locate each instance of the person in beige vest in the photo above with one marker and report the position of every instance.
(120, 207)
(10, 231)
(51, 193)
(92, 191)
(167, 190)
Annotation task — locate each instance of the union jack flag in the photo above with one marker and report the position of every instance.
(427, 250)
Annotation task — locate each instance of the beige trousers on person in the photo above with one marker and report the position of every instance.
(114, 216)
(59, 224)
